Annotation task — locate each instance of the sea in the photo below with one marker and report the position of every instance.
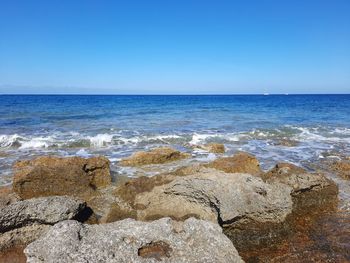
(301, 129)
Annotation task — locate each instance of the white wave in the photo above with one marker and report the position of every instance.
(310, 134)
(199, 138)
(37, 142)
(162, 137)
(202, 138)
(8, 140)
(100, 140)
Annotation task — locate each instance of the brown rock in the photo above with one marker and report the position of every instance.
(342, 168)
(157, 250)
(213, 147)
(309, 189)
(155, 156)
(284, 169)
(7, 196)
(46, 176)
(21, 237)
(297, 178)
(239, 163)
(125, 194)
(286, 143)
(13, 255)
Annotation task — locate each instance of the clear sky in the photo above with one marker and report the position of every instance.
(180, 46)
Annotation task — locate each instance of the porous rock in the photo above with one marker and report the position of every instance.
(50, 175)
(155, 156)
(127, 241)
(44, 210)
(241, 162)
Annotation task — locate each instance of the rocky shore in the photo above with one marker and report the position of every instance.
(227, 210)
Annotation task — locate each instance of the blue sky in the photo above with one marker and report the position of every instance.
(174, 47)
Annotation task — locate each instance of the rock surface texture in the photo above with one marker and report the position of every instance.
(297, 178)
(47, 176)
(212, 147)
(127, 241)
(342, 168)
(7, 196)
(155, 156)
(216, 196)
(239, 163)
(44, 210)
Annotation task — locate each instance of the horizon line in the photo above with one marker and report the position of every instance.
(165, 94)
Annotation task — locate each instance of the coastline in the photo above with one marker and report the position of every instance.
(313, 207)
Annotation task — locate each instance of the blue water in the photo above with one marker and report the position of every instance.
(116, 126)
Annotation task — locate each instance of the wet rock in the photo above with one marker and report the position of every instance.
(212, 147)
(44, 210)
(133, 241)
(7, 196)
(155, 156)
(342, 168)
(239, 163)
(286, 143)
(47, 176)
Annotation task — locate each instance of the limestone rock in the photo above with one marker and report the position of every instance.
(216, 196)
(155, 156)
(47, 176)
(21, 237)
(212, 147)
(239, 163)
(128, 241)
(297, 178)
(44, 210)
(7, 196)
(342, 168)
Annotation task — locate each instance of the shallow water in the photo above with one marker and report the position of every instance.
(116, 126)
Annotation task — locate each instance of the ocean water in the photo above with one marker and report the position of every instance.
(116, 126)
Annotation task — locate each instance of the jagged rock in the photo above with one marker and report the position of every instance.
(155, 156)
(21, 237)
(286, 142)
(239, 163)
(44, 210)
(342, 168)
(297, 178)
(212, 147)
(216, 196)
(7, 196)
(47, 176)
(133, 241)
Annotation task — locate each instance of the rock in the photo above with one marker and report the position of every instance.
(286, 142)
(7, 196)
(297, 178)
(155, 156)
(21, 237)
(133, 241)
(44, 210)
(239, 163)
(125, 194)
(13, 255)
(47, 176)
(342, 168)
(212, 147)
(216, 196)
